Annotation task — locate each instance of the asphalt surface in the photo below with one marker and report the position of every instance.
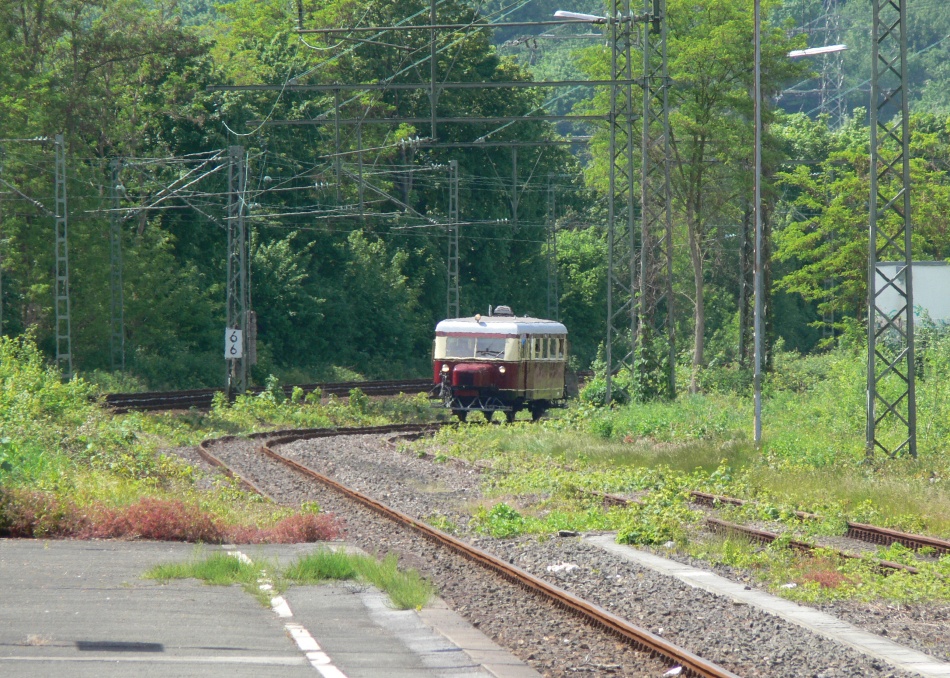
(83, 608)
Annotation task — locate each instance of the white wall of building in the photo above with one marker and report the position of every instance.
(931, 289)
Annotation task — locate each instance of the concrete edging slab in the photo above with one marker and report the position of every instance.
(806, 617)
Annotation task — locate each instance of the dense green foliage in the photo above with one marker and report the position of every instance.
(332, 291)
(70, 468)
(338, 295)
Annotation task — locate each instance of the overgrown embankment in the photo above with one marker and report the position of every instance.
(553, 476)
(69, 468)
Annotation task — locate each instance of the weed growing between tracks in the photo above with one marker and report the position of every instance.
(552, 477)
(824, 576)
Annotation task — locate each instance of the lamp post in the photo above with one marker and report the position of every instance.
(758, 277)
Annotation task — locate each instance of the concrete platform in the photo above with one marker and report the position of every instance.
(808, 618)
(83, 609)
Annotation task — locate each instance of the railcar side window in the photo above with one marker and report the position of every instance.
(537, 348)
(490, 348)
(459, 347)
(560, 349)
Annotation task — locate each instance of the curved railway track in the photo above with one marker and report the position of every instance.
(636, 637)
(740, 639)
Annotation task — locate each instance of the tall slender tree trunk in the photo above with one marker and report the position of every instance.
(699, 305)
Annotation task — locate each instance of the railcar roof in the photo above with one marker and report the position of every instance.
(497, 324)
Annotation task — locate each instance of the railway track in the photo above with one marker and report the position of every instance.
(857, 531)
(868, 533)
(591, 614)
(739, 639)
(202, 398)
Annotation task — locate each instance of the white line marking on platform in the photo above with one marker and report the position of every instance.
(317, 658)
(280, 606)
(240, 556)
(818, 622)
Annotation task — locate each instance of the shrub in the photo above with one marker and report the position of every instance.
(296, 529)
(26, 514)
(159, 519)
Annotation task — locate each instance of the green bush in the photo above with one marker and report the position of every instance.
(662, 517)
(500, 521)
(729, 379)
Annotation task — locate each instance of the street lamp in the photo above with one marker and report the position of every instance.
(813, 51)
(578, 16)
(758, 281)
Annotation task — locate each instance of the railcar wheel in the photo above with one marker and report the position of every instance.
(510, 415)
(537, 413)
(461, 414)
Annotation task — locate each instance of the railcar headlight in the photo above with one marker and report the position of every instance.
(445, 369)
(501, 368)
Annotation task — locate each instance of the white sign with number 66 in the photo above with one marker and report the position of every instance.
(233, 346)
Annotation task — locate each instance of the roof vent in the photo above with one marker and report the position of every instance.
(504, 311)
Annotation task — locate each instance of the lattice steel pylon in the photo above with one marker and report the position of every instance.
(891, 378)
(452, 309)
(64, 354)
(655, 294)
(621, 254)
(117, 315)
(551, 252)
(238, 292)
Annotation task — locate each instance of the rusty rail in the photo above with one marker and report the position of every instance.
(869, 533)
(766, 537)
(639, 638)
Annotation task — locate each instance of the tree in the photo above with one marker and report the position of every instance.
(710, 48)
(825, 234)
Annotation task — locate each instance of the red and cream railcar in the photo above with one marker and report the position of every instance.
(500, 363)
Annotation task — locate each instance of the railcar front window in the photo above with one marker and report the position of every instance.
(490, 348)
(459, 347)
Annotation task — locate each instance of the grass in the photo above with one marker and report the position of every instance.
(218, 569)
(406, 589)
(812, 459)
(224, 569)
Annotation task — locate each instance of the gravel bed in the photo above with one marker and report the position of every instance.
(539, 633)
(743, 639)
